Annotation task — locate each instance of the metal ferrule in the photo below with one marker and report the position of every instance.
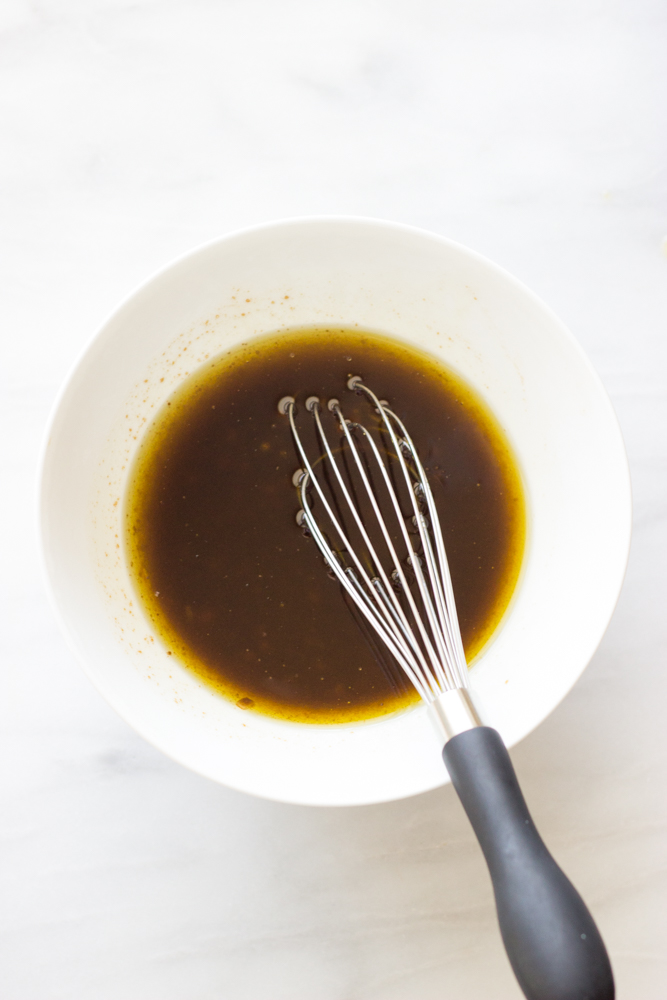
(453, 712)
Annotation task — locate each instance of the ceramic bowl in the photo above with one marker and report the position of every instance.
(419, 288)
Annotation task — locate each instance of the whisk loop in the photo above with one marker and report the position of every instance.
(406, 595)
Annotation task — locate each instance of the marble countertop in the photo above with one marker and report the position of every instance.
(132, 131)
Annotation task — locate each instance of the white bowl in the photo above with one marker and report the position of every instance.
(419, 288)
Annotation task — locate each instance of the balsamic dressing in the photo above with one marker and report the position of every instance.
(232, 586)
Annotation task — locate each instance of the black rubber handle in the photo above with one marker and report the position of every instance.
(551, 939)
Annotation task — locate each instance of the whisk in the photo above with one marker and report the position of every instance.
(379, 532)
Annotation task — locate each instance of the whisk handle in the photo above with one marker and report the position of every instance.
(551, 939)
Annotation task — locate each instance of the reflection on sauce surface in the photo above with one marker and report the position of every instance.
(235, 590)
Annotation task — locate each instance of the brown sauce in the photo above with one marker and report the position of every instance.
(232, 586)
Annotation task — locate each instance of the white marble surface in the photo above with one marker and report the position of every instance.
(130, 131)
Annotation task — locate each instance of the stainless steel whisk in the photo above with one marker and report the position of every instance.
(425, 641)
(406, 595)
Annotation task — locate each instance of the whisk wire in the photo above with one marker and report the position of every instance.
(427, 645)
(452, 650)
(390, 545)
(398, 631)
(440, 575)
(381, 622)
(377, 562)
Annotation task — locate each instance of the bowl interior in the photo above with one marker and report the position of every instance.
(415, 287)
